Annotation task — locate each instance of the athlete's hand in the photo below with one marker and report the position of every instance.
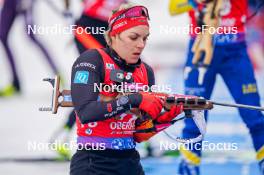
(147, 103)
(170, 115)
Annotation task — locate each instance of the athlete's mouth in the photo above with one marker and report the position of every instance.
(137, 53)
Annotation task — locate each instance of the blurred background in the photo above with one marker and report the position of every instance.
(21, 122)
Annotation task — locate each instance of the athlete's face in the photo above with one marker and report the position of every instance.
(130, 43)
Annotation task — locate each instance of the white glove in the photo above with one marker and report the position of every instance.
(198, 118)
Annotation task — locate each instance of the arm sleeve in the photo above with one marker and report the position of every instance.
(145, 124)
(86, 73)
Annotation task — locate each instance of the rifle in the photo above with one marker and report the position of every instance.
(62, 98)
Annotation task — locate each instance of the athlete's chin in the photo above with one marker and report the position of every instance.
(133, 59)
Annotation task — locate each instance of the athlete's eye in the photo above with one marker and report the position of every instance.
(133, 38)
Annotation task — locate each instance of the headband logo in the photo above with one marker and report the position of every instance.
(119, 25)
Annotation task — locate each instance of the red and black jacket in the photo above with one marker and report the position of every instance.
(94, 67)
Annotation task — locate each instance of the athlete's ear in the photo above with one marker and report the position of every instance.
(114, 40)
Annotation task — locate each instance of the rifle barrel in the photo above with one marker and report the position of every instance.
(238, 105)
